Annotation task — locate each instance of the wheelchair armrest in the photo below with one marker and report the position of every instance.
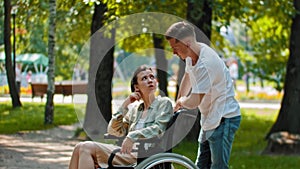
(109, 136)
(119, 140)
(149, 140)
(141, 140)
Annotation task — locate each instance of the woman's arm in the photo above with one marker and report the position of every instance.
(119, 123)
(162, 114)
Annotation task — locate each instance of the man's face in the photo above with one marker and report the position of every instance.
(179, 48)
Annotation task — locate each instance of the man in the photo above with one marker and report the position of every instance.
(212, 92)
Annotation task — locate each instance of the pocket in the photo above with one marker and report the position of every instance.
(233, 127)
(217, 133)
(235, 124)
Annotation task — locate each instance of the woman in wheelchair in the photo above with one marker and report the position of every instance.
(146, 120)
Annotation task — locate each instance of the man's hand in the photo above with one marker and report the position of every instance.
(190, 102)
(179, 103)
(127, 146)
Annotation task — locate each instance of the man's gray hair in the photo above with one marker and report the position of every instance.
(180, 30)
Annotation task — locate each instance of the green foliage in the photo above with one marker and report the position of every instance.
(249, 144)
(261, 28)
(31, 117)
(72, 31)
(2, 24)
(264, 30)
(142, 40)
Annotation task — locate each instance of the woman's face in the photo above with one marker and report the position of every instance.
(146, 82)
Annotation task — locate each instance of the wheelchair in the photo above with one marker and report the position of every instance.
(160, 156)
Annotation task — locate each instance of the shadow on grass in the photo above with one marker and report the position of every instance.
(249, 144)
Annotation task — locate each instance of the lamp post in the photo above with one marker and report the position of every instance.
(13, 13)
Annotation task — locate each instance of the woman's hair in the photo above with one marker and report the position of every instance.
(134, 77)
(180, 30)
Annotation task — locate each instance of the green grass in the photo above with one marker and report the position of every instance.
(31, 117)
(249, 144)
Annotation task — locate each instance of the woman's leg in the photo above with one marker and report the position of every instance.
(88, 154)
(104, 151)
(74, 158)
(83, 156)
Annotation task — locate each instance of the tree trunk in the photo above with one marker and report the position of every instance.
(180, 75)
(199, 13)
(289, 116)
(49, 108)
(15, 97)
(99, 109)
(161, 65)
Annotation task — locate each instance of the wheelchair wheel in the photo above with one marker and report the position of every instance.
(166, 161)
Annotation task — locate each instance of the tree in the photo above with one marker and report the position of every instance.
(74, 24)
(289, 116)
(72, 31)
(261, 38)
(156, 41)
(8, 61)
(161, 64)
(199, 13)
(99, 108)
(49, 108)
(105, 71)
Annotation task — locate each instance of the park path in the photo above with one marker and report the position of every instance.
(46, 149)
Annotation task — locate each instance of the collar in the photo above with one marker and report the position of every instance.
(142, 106)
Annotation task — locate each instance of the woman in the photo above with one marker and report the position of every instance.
(146, 120)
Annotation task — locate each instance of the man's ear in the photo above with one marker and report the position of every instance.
(188, 43)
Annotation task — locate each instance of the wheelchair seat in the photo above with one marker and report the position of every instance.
(163, 143)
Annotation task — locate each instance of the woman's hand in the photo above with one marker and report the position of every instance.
(135, 96)
(127, 146)
(132, 98)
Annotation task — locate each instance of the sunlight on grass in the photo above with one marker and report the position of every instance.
(31, 117)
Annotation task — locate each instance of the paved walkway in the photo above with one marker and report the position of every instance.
(47, 149)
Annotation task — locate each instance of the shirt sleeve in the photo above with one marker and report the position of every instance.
(118, 125)
(162, 113)
(200, 80)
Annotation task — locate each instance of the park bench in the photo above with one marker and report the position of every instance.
(64, 88)
(38, 89)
